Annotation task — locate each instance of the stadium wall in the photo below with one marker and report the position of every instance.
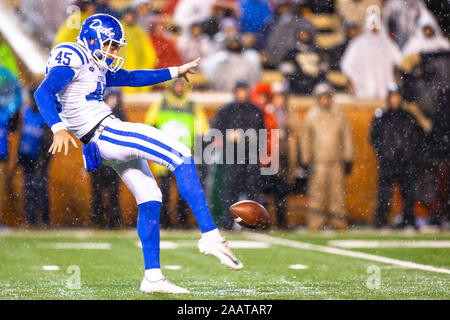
(70, 190)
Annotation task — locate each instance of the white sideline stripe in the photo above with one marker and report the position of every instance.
(298, 267)
(343, 252)
(390, 244)
(50, 268)
(76, 245)
(237, 244)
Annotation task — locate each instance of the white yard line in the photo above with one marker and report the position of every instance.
(342, 252)
(234, 244)
(76, 245)
(390, 243)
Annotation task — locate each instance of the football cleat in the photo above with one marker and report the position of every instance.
(222, 251)
(161, 286)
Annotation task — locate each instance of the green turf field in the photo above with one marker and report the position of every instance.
(292, 265)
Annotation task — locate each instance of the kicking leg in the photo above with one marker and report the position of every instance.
(139, 179)
(135, 140)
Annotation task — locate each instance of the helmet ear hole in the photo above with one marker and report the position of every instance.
(91, 41)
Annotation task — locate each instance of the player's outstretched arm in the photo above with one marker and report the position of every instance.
(142, 78)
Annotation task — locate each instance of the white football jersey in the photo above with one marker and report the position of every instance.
(81, 104)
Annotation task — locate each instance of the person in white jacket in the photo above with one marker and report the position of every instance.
(369, 61)
(226, 67)
(427, 38)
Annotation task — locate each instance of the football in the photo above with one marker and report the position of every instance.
(250, 214)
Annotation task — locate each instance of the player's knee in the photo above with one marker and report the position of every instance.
(149, 192)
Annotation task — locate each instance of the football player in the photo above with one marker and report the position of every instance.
(71, 100)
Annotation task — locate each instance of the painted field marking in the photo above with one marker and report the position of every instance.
(76, 245)
(298, 267)
(50, 268)
(234, 244)
(343, 252)
(172, 267)
(390, 243)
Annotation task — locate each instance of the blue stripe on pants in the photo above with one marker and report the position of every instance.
(145, 138)
(139, 147)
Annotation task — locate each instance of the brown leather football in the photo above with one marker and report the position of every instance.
(250, 214)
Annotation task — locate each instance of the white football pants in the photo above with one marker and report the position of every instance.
(126, 147)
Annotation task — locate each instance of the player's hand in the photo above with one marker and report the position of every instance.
(60, 139)
(187, 68)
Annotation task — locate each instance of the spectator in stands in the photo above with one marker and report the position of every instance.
(144, 13)
(188, 12)
(238, 178)
(369, 61)
(104, 6)
(427, 38)
(44, 26)
(70, 29)
(105, 208)
(168, 7)
(254, 15)
(321, 6)
(351, 31)
(10, 102)
(166, 51)
(195, 45)
(34, 157)
(397, 139)
(282, 32)
(220, 10)
(139, 52)
(327, 153)
(355, 11)
(281, 183)
(226, 67)
(400, 18)
(228, 28)
(181, 118)
(301, 65)
(261, 96)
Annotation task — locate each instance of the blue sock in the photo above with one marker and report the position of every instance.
(148, 232)
(192, 192)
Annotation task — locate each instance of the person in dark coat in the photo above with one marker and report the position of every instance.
(105, 181)
(351, 30)
(238, 178)
(301, 66)
(34, 158)
(398, 140)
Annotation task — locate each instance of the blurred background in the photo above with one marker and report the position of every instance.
(375, 154)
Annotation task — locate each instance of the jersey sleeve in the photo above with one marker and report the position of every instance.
(67, 55)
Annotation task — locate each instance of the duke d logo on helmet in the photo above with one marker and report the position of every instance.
(97, 26)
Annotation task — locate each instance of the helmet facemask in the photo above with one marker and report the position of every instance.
(105, 58)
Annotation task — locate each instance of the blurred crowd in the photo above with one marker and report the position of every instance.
(395, 50)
